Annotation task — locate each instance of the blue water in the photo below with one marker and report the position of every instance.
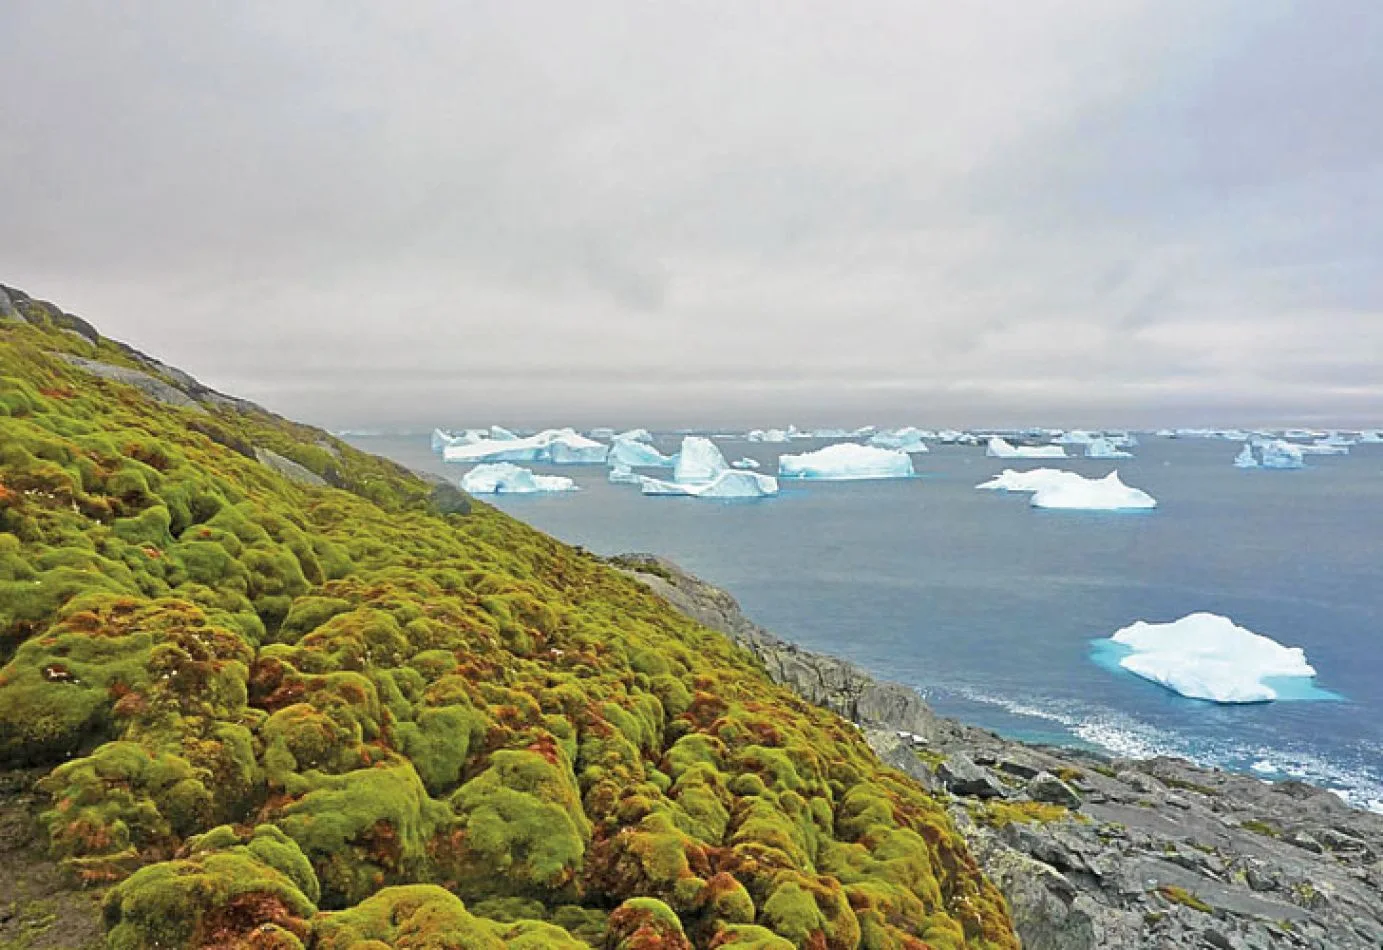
(990, 608)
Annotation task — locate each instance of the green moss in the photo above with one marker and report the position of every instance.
(1261, 828)
(1179, 895)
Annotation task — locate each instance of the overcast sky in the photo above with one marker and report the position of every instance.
(1107, 212)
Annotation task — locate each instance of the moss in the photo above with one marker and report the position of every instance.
(750, 937)
(1261, 828)
(643, 923)
(1179, 895)
(1000, 814)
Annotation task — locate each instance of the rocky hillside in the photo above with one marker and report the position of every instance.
(284, 694)
(1095, 853)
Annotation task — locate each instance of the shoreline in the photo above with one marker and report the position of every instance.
(1094, 850)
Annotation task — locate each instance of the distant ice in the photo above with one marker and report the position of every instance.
(1246, 458)
(601, 432)
(632, 435)
(729, 483)
(698, 461)
(769, 435)
(560, 446)
(624, 475)
(1371, 436)
(1001, 449)
(1092, 494)
(508, 479)
(907, 439)
(1102, 448)
(1075, 437)
(847, 460)
(1207, 656)
(1270, 453)
(637, 454)
(1030, 481)
(954, 437)
(1325, 448)
(746, 462)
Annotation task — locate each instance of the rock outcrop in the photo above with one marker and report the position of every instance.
(1096, 853)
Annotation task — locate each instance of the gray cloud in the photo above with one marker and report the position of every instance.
(1105, 211)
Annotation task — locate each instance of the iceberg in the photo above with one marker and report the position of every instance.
(768, 435)
(1245, 458)
(1324, 448)
(954, 437)
(907, 439)
(440, 439)
(699, 461)
(1272, 453)
(636, 454)
(1092, 494)
(729, 483)
(1102, 448)
(624, 475)
(746, 462)
(1000, 449)
(507, 479)
(1371, 437)
(1075, 437)
(601, 432)
(1207, 656)
(1033, 480)
(502, 434)
(632, 435)
(560, 446)
(847, 460)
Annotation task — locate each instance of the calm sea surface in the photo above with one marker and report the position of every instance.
(989, 607)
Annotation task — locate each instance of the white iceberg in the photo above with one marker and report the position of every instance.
(1092, 494)
(847, 460)
(746, 462)
(601, 432)
(1033, 480)
(1206, 656)
(502, 434)
(1102, 448)
(1371, 436)
(560, 446)
(1324, 448)
(507, 479)
(698, 461)
(632, 435)
(1274, 453)
(954, 437)
(1001, 449)
(769, 435)
(907, 439)
(636, 454)
(729, 483)
(1075, 437)
(624, 475)
(1246, 458)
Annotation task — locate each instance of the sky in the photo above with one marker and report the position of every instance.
(1030, 212)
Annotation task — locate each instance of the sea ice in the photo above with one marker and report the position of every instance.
(1102, 448)
(561, 446)
(847, 460)
(699, 461)
(1245, 458)
(638, 454)
(728, 483)
(633, 435)
(1276, 453)
(769, 435)
(1324, 448)
(502, 434)
(746, 462)
(1075, 437)
(624, 475)
(1033, 480)
(1092, 494)
(1206, 656)
(1000, 449)
(505, 478)
(907, 439)
(1371, 436)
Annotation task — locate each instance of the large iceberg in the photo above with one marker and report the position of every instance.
(907, 439)
(1206, 656)
(1102, 448)
(1001, 449)
(560, 446)
(636, 454)
(507, 479)
(698, 461)
(1270, 453)
(769, 435)
(1092, 494)
(729, 483)
(847, 460)
(633, 435)
(1246, 458)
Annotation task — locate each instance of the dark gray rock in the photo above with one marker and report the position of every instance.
(7, 310)
(1046, 787)
(962, 776)
(289, 469)
(151, 386)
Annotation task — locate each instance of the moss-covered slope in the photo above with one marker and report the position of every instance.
(370, 714)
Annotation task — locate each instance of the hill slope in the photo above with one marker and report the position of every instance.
(288, 694)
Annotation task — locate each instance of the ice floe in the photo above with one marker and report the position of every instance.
(847, 460)
(1270, 453)
(1002, 449)
(907, 439)
(728, 483)
(560, 446)
(508, 479)
(1207, 656)
(1092, 494)
(1102, 448)
(770, 435)
(637, 454)
(745, 462)
(623, 475)
(698, 461)
(1030, 481)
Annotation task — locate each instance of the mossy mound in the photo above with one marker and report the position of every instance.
(279, 714)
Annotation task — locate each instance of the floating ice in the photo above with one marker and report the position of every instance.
(1270, 453)
(561, 446)
(746, 462)
(1324, 448)
(1371, 436)
(1075, 437)
(629, 452)
(633, 435)
(1092, 494)
(1033, 480)
(1000, 449)
(954, 437)
(624, 475)
(699, 461)
(769, 435)
(501, 434)
(1206, 656)
(846, 460)
(507, 479)
(907, 439)
(1245, 458)
(1102, 448)
(729, 483)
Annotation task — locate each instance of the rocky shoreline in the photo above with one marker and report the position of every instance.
(1094, 851)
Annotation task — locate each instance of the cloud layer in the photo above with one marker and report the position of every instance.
(1096, 211)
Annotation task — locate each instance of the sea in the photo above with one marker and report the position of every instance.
(993, 609)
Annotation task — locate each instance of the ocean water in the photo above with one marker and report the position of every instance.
(990, 608)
